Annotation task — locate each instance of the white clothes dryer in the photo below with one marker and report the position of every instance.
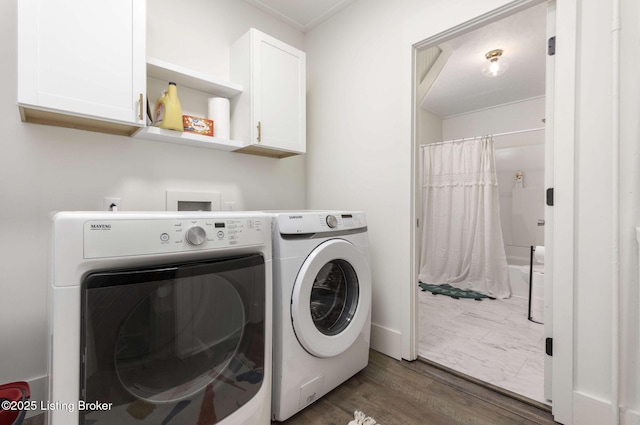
(160, 318)
(322, 305)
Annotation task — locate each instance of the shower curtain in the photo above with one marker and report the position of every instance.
(461, 234)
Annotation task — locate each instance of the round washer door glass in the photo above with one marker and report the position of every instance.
(331, 298)
(334, 297)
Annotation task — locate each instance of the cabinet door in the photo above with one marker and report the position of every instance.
(83, 58)
(279, 83)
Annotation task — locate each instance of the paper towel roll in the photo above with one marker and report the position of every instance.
(538, 255)
(219, 113)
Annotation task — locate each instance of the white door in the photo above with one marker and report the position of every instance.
(279, 89)
(548, 213)
(550, 240)
(83, 58)
(331, 298)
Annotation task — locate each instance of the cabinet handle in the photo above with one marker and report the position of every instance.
(141, 108)
(259, 138)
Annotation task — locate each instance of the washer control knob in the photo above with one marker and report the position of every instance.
(332, 221)
(196, 235)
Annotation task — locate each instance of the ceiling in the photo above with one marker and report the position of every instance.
(461, 87)
(301, 14)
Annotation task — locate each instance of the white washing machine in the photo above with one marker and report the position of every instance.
(160, 318)
(321, 305)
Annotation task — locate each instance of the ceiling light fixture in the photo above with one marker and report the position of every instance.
(492, 68)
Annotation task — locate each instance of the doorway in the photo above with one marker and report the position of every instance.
(495, 341)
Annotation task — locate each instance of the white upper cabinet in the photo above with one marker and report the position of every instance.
(269, 117)
(82, 64)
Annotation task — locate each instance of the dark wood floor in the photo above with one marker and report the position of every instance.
(416, 393)
(35, 420)
(413, 393)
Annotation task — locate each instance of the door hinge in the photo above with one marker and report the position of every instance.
(550, 196)
(551, 46)
(548, 346)
(417, 222)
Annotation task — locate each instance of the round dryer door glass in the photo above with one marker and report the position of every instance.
(179, 339)
(334, 297)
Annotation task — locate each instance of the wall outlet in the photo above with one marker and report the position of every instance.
(111, 204)
(229, 206)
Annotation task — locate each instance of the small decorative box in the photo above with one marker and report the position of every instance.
(197, 125)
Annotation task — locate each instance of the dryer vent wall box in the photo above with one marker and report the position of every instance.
(194, 205)
(193, 201)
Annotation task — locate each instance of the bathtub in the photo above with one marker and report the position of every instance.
(519, 286)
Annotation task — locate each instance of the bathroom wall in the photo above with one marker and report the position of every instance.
(44, 169)
(429, 127)
(519, 214)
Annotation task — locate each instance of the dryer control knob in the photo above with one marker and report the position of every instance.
(332, 221)
(196, 235)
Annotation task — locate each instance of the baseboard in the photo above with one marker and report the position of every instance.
(629, 417)
(39, 388)
(588, 410)
(387, 341)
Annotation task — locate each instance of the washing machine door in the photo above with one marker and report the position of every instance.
(331, 298)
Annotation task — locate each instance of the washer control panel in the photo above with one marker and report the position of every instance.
(128, 237)
(318, 222)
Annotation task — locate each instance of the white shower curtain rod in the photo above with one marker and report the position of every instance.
(508, 133)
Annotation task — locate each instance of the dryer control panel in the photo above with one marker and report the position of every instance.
(128, 237)
(319, 222)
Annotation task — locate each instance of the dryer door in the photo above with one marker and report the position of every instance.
(182, 341)
(331, 298)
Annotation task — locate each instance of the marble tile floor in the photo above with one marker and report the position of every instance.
(490, 340)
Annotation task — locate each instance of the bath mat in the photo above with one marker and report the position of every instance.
(360, 418)
(452, 292)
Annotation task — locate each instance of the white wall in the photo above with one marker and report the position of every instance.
(45, 169)
(515, 116)
(523, 151)
(357, 124)
(357, 156)
(593, 208)
(629, 207)
(430, 127)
